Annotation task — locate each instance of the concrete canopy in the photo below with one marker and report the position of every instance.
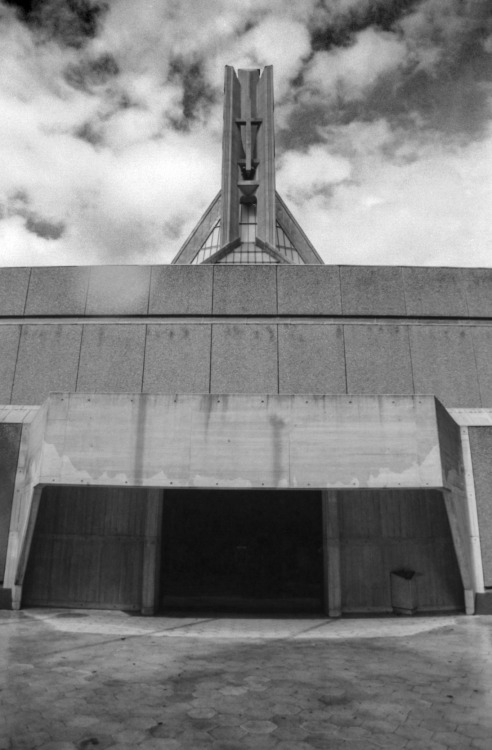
(248, 441)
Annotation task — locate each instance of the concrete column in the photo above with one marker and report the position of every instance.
(20, 542)
(231, 149)
(152, 552)
(472, 512)
(331, 554)
(266, 157)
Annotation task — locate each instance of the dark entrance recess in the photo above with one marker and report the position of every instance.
(239, 550)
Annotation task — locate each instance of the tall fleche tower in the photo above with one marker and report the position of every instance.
(248, 222)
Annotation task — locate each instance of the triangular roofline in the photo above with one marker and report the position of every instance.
(199, 234)
(285, 218)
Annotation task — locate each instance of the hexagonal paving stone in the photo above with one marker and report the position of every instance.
(286, 709)
(160, 744)
(82, 721)
(259, 741)
(452, 739)
(475, 732)
(227, 733)
(228, 720)
(201, 713)
(128, 736)
(190, 738)
(233, 690)
(290, 732)
(259, 727)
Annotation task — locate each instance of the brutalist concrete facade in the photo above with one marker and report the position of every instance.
(283, 329)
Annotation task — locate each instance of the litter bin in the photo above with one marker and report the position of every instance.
(404, 591)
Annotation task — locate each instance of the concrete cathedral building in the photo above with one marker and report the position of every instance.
(246, 428)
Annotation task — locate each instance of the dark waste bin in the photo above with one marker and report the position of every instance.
(404, 591)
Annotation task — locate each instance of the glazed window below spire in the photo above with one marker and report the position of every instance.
(248, 251)
(210, 246)
(286, 248)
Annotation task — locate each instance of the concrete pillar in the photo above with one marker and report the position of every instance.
(152, 552)
(331, 554)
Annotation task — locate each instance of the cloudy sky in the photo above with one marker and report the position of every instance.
(111, 120)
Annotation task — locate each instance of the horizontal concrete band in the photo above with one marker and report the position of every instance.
(246, 290)
(452, 362)
(22, 414)
(242, 441)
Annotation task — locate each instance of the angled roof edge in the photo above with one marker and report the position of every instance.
(294, 232)
(199, 234)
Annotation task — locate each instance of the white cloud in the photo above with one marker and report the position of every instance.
(300, 175)
(349, 71)
(255, 50)
(431, 210)
(372, 191)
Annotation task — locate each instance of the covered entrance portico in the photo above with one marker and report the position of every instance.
(342, 447)
(263, 551)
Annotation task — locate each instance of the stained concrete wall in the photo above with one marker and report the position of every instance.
(111, 358)
(10, 435)
(247, 329)
(247, 290)
(481, 448)
(202, 355)
(47, 360)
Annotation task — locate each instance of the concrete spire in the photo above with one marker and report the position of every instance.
(248, 222)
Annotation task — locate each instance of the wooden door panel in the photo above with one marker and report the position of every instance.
(87, 548)
(384, 531)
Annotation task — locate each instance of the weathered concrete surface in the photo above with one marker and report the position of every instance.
(222, 441)
(118, 290)
(438, 292)
(311, 359)
(443, 363)
(478, 288)
(233, 440)
(9, 347)
(9, 452)
(81, 680)
(269, 355)
(482, 348)
(465, 536)
(13, 290)
(372, 290)
(245, 290)
(377, 359)
(308, 290)
(111, 358)
(57, 291)
(255, 290)
(177, 359)
(481, 447)
(181, 290)
(244, 358)
(47, 361)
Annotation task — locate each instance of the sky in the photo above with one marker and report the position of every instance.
(111, 125)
